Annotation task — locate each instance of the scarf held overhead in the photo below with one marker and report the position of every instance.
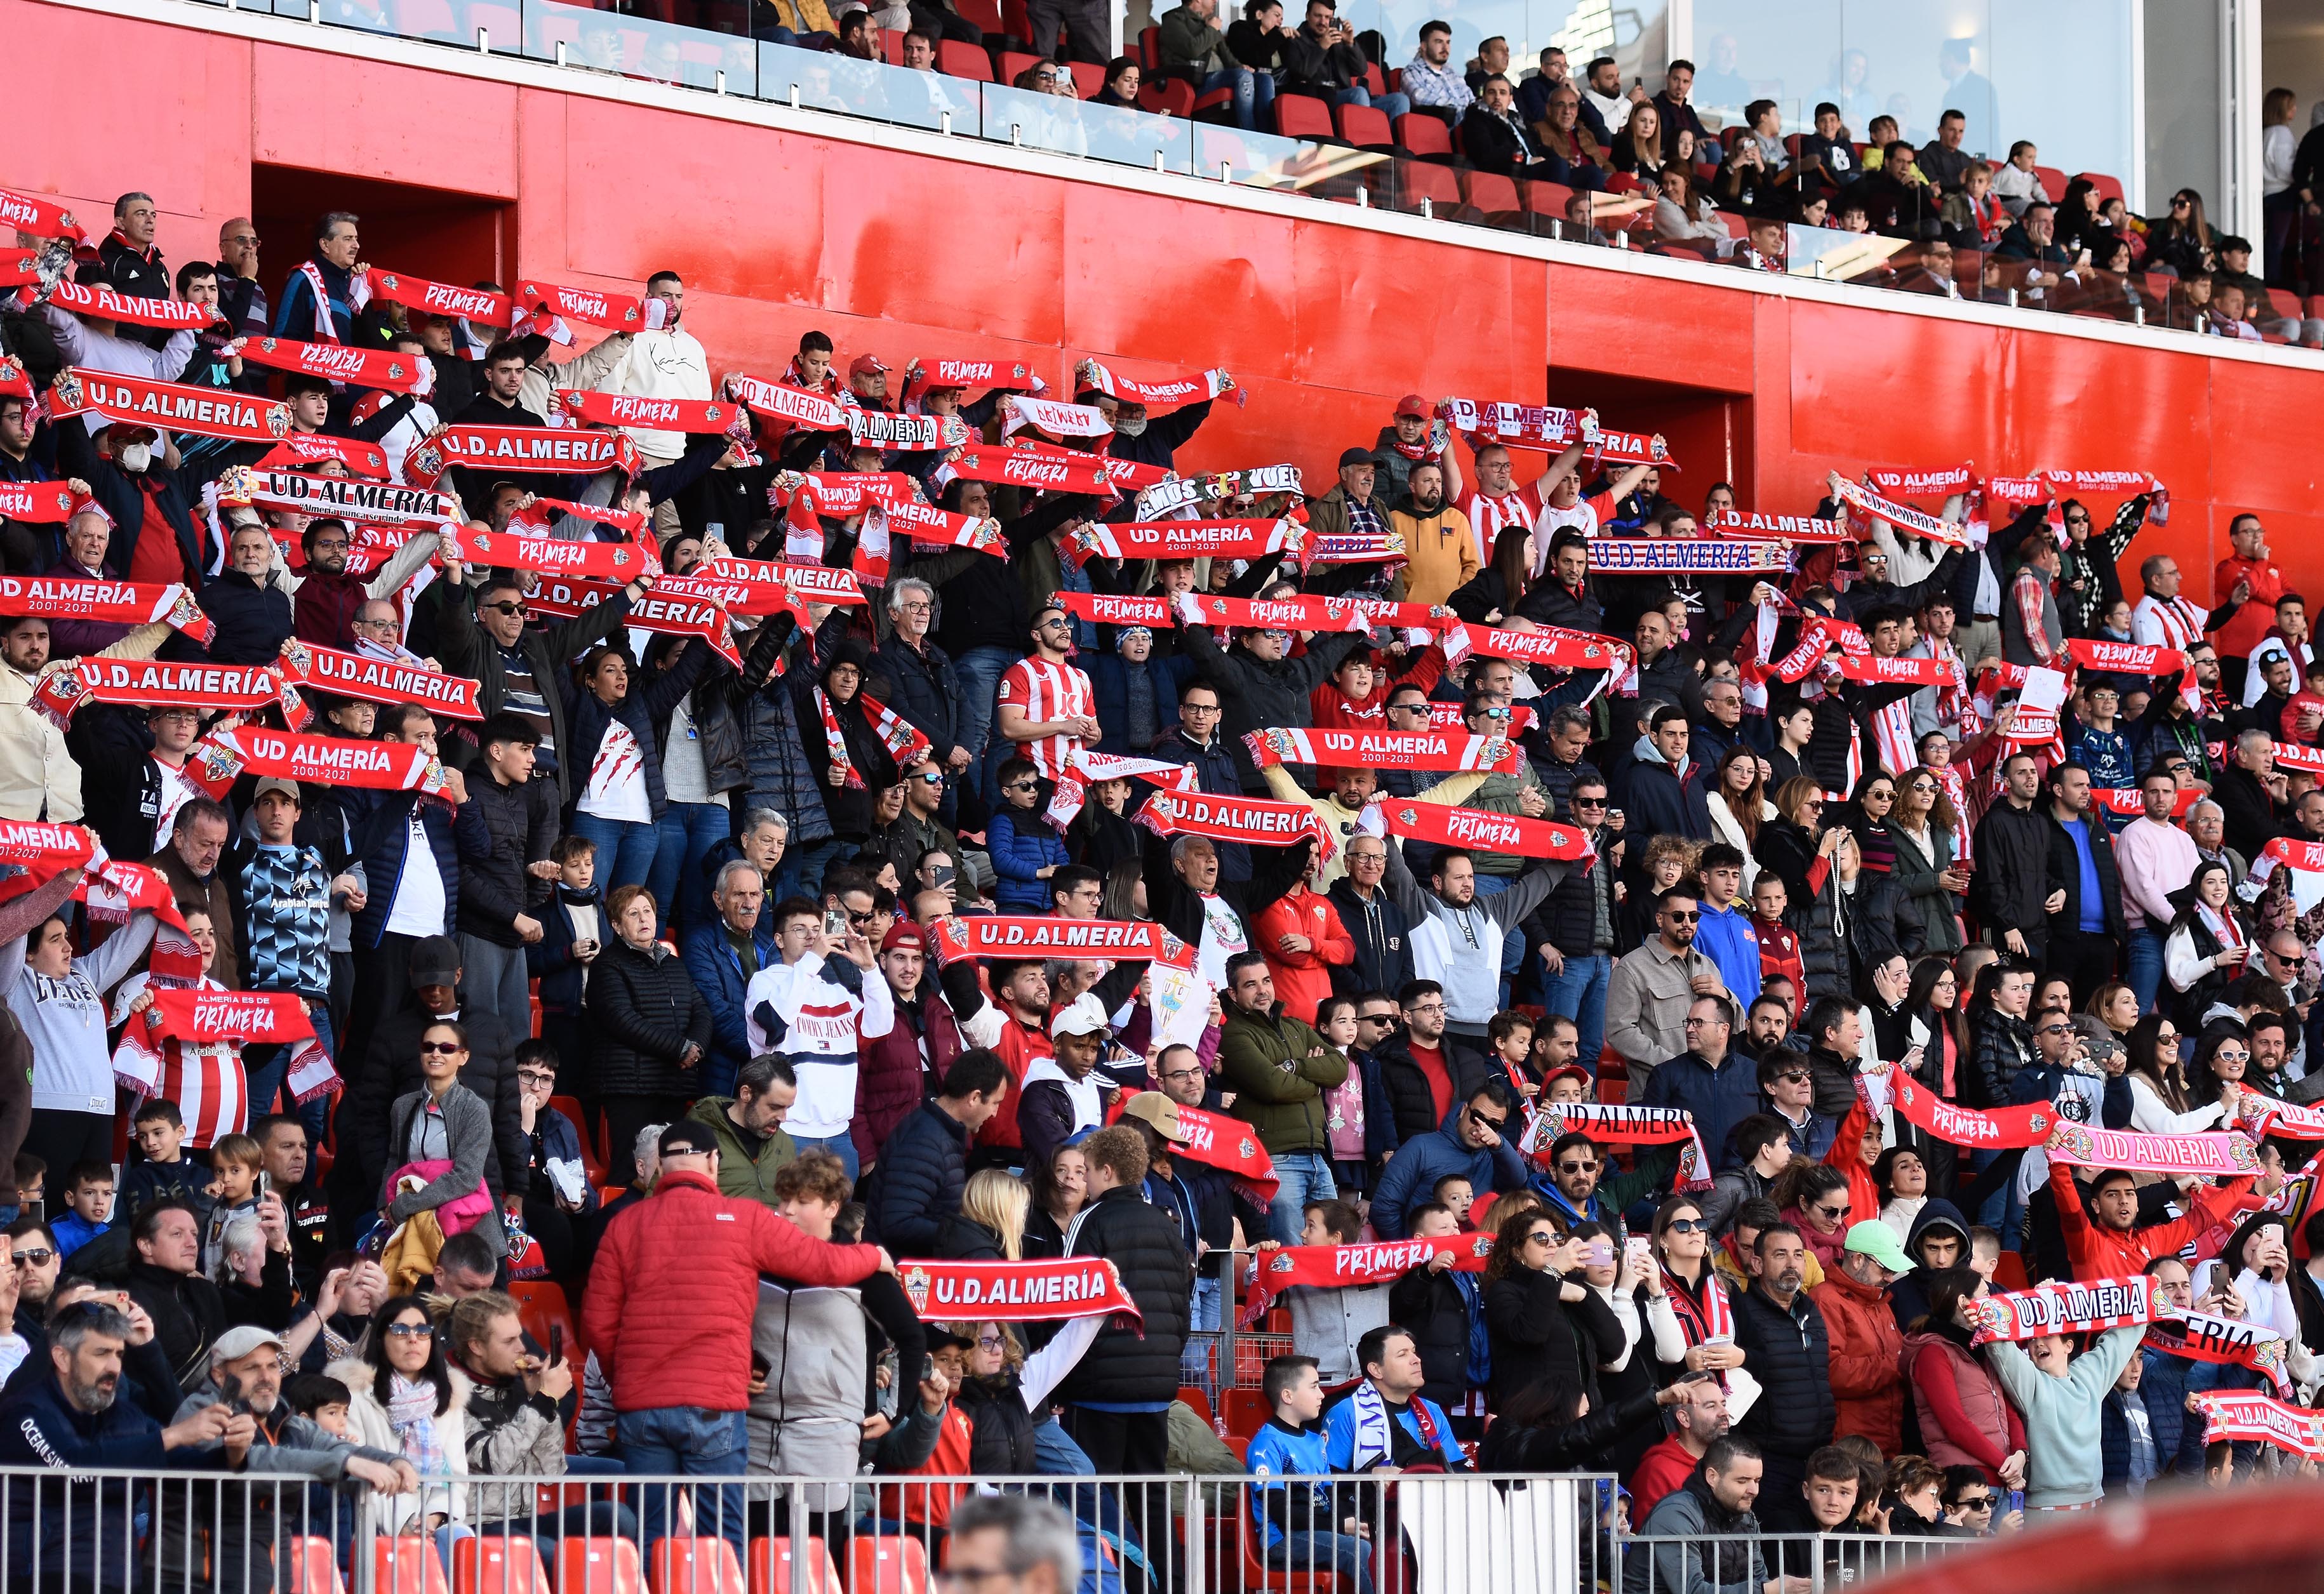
(203, 411)
(1353, 1267)
(339, 362)
(119, 602)
(1385, 750)
(380, 680)
(1609, 1124)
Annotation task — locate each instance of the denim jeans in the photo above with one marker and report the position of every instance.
(1253, 93)
(1206, 1302)
(625, 849)
(1345, 1553)
(493, 977)
(688, 1442)
(1391, 105)
(979, 671)
(842, 1147)
(2143, 965)
(1304, 1177)
(1580, 994)
(684, 837)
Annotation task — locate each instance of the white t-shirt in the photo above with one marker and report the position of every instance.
(1223, 938)
(419, 907)
(617, 779)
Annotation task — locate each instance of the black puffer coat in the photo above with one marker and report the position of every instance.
(1789, 1353)
(778, 771)
(1880, 922)
(922, 1170)
(1536, 1335)
(1408, 1096)
(645, 1009)
(1000, 1430)
(849, 807)
(1126, 1363)
(1255, 694)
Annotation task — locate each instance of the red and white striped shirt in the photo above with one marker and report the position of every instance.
(1048, 689)
(1490, 514)
(2167, 622)
(1584, 517)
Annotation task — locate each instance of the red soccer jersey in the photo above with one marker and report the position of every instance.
(1048, 689)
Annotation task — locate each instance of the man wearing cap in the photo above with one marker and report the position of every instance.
(283, 892)
(1146, 439)
(1350, 508)
(1062, 1095)
(261, 1518)
(672, 1295)
(390, 1067)
(1867, 1354)
(1412, 437)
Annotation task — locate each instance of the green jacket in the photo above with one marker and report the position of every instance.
(1187, 41)
(741, 1176)
(1278, 1088)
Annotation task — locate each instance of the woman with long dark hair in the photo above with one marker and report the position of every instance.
(1933, 1022)
(1926, 833)
(1688, 1308)
(406, 1398)
(2222, 1059)
(1496, 590)
(2182, 239)
(614, 734)
(1542, 1319)
(2159, 1101)
(2209, 944)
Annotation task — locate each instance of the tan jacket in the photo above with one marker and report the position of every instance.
(38, 778)
(1441, 551)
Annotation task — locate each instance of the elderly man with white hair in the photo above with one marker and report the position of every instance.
(923, 687)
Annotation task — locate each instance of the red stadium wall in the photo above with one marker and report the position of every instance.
(1325, 315)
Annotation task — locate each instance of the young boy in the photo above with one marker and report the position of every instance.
(1428, 1296)
(1301, 1520)
(88, 1205)
(322, 1401)
(572, 932)
(1779, 948)
(237, 1162)
(1985, 1252)
(166, 1172)
(2099, 745)
(503, 896)
(1455, 1194)
(1326, 1324)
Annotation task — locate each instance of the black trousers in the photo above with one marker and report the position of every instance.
(945, 22)
(1136, 1443)
(2086, 959)
(383, 988)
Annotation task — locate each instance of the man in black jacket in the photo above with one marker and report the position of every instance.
(1411, 1092)
(924, 1166)
(501, 895)
(2088, 928)
(2016, 886)
(1130, 1370)
(922, 689)
(1261, 688)
(1495, 141)
(2249, 794)
(1198, 743)
(1783, 1338)
(133, 264)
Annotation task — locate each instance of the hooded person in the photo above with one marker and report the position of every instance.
(1938, 1224)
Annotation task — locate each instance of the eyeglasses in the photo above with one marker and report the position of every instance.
(1578, 1167)
(536, 1077)
(1692, 1023)
(518, 609)
(1428, 1008)
(914, 605)
(1542, 1236)
(440, 1048)
(411, 1331)
(247, 240)
(1187, 708)
(38, 1256)
(1686, 1226)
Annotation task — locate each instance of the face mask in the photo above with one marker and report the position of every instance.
(1129, 426)
(135, 458)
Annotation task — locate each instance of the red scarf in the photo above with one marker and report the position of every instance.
(2125, 658)
(146, 683)
(901, 738)
(43, 218)
(205, 411)
(1024, 467)
(338, 497)
(1386, 750)
(818, 584)
(1483, 832)
(1710, 1318)
(737, 597)
(1183, 540)
(787, 405)
(1927, 483)
(483, 306)
(1353, 1267)
(534, 517)
(1255, 820)
(2065, 1306)
(380, 680)
(40, 504)
(1015, 1291)
(1044, 935)
(708, 416)
(1800, 528)
(617, 312)
(2249, 1416)
(1159, 396)
(305, 449)
(524, 450)
(892, 429)
(1867, 506)
(1019, 411)
(376, 368)
(118, 603)
(617, 561)
(1996, 1129)
(1303, 612)
(1108, 609)
(374, 766)
(686, 615)
(97, 300)
(922, 375)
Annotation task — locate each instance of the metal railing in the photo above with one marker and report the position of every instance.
(1664, 1565)
(64, 1530)
(645, 49)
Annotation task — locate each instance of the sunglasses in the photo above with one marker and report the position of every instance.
(411, 1331)
(2055, 1029)
(508, 608)
(1542, 1236)
(1375, 1019)
(933, 777)
(38, 1256)
(1682, 915)
(1490, 713)
(1022, 786)
(1577, 1167)
(1881, 796)
(1834, 1213)
(440, 1048)
(1794, 1076)
(1589, 802)
(1686, 1226)
(1055, 625)
(1495, 1124)
(1975, 1502)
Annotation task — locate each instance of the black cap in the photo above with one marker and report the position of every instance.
(1348, 457)
(682, 1138)
(943, 1339)
(435, 961)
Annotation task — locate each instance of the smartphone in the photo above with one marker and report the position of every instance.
(2016, 1500)
(928, 1368)
(555, 1343)
(834, 924)
(1600, 1254)
(265, 1183)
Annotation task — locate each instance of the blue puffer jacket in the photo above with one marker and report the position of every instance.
(379, 833)
(1420, 1162)
(1021, 844)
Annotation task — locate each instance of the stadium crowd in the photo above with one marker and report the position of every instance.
(1615, 984)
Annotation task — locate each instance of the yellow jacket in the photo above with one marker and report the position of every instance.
(1441, 551)
(1340, 825)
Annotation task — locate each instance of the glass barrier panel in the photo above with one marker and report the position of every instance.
(639, 47)
(1068, 126)
(1835, 255)
(1290, 165)
(828, 81)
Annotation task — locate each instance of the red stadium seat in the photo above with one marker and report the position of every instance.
(772, 1567)
(1548, 199)
(2052, 182)
(891, 46)
(984, 13)
(2109, 188)
(544, 1308)
(313, 1566)
(498, 1564)
(1088, 77)
(407, 1566)
(1491, 193)
(1737, 227)
(1423, 137)
(1016, 21)
(956, 60)
(897, 1565)
(1149, 48)
(1363, 127)
(695, 1566)
(1791, 144)
(570, 1106)
(2009, 1274)
(1196, 1400)
(1246, 1411)
(596, 1566)
(1172, 96)
(505, 23)
(430, 17)
(1300, 116)
(1014, 62)
(1438, 186)
(1374, 84)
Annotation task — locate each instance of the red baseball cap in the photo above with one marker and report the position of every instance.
(1571, 1071)
(866, 366)
(1413, 405)
(904, 933)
